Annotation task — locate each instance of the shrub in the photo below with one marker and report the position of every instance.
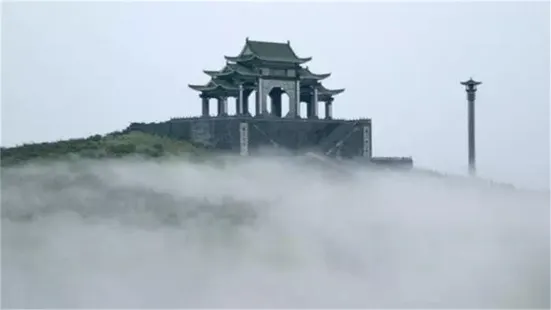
(121, 149)
(95, 138)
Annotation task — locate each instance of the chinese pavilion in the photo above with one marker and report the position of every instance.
(270, 69)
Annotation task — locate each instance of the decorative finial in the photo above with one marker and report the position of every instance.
(247, 39)
(288, 42)
(471, 82)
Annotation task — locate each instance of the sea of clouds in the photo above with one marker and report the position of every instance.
(266, 232)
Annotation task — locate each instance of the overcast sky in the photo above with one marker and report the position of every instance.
(73, 69)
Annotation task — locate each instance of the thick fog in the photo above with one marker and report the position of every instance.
(266, 233)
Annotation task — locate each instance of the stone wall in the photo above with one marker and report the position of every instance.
(339, 138)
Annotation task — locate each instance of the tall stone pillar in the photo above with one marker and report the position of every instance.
(275, 96)
(313, 113)
(205, 106)
(222, 106)
(329, 109)
(471, 88)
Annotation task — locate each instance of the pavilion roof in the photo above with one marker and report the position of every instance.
(306, 74)
(268, 51)
(237, 70)
(326, 91)
(215, 84)
(232, 68)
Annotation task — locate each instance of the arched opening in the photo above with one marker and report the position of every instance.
(252, 102)
(232, 106)
(270, 101)
(275, 102)
(303, 109)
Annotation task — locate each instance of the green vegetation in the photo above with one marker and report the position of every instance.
(113, 145)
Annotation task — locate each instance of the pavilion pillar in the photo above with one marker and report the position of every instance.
(246, 95)
(222, 106)
(275, 96)
(239, 108)
(329, 109)
(294, 101)
(205, 106)
(258, 95)
(313, 105)
(261, 106)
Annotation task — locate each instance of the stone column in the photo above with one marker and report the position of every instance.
(313, 113)
(258, 103)
(471, 97)
(222, 106)
(471, 87)
(246, 95)
(294, 101)
(275, 95)
(261, 96)
(329, 109)
(205, 106)
(239, 108)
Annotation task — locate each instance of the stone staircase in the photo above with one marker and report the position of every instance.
(332, 141)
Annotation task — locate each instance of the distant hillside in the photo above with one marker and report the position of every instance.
(109, 146)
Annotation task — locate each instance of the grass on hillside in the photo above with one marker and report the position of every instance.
(109, 146)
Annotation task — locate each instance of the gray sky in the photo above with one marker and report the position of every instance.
(77, 69)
